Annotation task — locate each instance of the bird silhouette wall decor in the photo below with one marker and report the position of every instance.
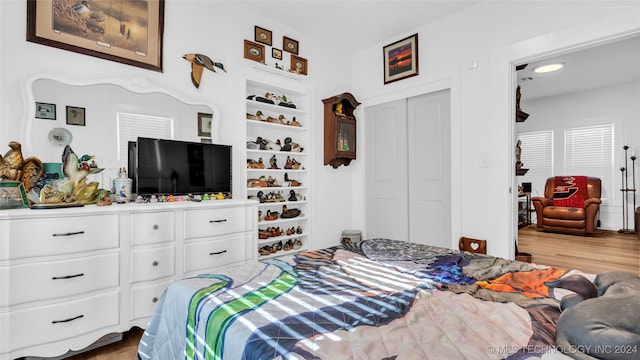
(198, 63)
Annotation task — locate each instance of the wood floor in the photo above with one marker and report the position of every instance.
(605, 251)
(126, 349)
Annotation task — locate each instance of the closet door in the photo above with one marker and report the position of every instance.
(429, 170)
(386, 171)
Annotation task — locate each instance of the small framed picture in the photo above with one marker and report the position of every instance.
(298, 65)
(204, 124)
(263, 36)
(276, 53)
(75, 115)
(45, 111)
(401, 59)
(13, 195)
(290, 45)
(253, 51)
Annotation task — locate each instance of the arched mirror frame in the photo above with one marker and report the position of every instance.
(137, 85)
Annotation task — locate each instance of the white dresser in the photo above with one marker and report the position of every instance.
(70, 276)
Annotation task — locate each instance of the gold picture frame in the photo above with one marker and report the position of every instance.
(290, 45)
(205, 122)
(299, 65)
(12, 195)
(87, 32)
(253, 51)
(263, 35)
(276, 53)
(401, 59)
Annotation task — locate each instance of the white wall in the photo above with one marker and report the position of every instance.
(491, 35)
(216, 29)
(474, 51)
(618, 105)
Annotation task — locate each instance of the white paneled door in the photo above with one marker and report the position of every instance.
(408, 170)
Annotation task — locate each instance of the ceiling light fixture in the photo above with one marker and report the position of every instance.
(548, 68)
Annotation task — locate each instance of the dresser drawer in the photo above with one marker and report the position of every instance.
(152, 228)
(207, 255)
(152, 264)
(57, 236)
(55, 279)
(144, 299)
(213, 222)
(40, 325)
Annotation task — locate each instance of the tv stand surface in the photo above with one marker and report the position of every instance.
(97, 270)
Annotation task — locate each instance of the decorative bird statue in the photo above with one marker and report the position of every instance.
(14, 167)
(72, 168)
(199, 62)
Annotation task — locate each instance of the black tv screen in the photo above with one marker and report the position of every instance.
(167, 167)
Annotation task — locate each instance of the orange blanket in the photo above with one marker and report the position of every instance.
(529, 283)
(570, 191)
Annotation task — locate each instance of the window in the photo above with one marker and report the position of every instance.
(130, 126)
(537, 156)
(589, 151)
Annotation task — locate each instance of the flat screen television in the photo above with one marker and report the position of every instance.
(164, 167)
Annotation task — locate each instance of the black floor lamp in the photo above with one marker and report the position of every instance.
(627, 191)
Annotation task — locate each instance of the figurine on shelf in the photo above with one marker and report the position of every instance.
(291, 182)
(271, 215)
(518, 154)
(339, 108)
(273, 162)
(289, 213)
(295, 122)
(289, 145)
(292, 196)
(206, 197)
(289, 163)
(220, 196)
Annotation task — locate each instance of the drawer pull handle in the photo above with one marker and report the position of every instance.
(154, 300)
(67, 320)
(155, 263)
(69, 233)
(218, 252)
(156, 227)
(217, 221)
(67, 276)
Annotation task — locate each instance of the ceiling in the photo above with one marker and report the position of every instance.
(600, 66)
(355, 25)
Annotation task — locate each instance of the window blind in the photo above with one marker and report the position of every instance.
(589, 151)
(537, 156)
(130, 126)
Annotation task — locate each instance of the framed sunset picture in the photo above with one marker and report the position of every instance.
(401, 59)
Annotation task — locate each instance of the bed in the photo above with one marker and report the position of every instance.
(374, 299)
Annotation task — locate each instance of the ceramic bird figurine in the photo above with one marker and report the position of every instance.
(83, 192)
(198, 63)
(14, 167)
(11, 162)
(70, 166)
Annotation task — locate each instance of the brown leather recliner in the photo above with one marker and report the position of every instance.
(569, 220)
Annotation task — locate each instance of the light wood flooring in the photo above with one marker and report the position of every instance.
(604, 251)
